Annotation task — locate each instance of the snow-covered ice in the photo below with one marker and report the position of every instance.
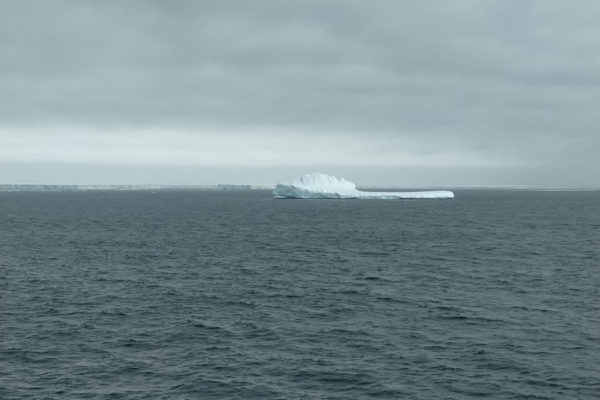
(321, 186)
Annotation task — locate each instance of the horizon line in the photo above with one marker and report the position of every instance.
(7, 187)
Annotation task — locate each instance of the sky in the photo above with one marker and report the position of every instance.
(399, 93)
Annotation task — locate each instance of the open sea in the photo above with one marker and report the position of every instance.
(235, 295)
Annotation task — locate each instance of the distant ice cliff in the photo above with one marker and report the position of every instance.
(321, 186)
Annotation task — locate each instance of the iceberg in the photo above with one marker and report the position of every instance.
(322, 186)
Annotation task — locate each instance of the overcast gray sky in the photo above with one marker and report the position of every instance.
(380, 92)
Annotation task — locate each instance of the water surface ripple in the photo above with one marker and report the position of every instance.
(235, 295)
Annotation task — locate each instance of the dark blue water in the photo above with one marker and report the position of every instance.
(235, 295)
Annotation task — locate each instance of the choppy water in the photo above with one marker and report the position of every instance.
(234, 295)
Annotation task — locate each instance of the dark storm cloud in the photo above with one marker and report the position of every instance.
(517, 80)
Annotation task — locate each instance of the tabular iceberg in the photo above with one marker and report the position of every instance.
(321, 186)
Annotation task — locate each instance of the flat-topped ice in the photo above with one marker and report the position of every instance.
(322, 186)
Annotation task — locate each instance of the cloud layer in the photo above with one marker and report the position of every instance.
(473, 84)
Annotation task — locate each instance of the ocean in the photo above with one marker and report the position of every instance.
(194, 294)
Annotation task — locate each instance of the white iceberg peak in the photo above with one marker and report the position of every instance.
(320, 182)
(322, 186)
